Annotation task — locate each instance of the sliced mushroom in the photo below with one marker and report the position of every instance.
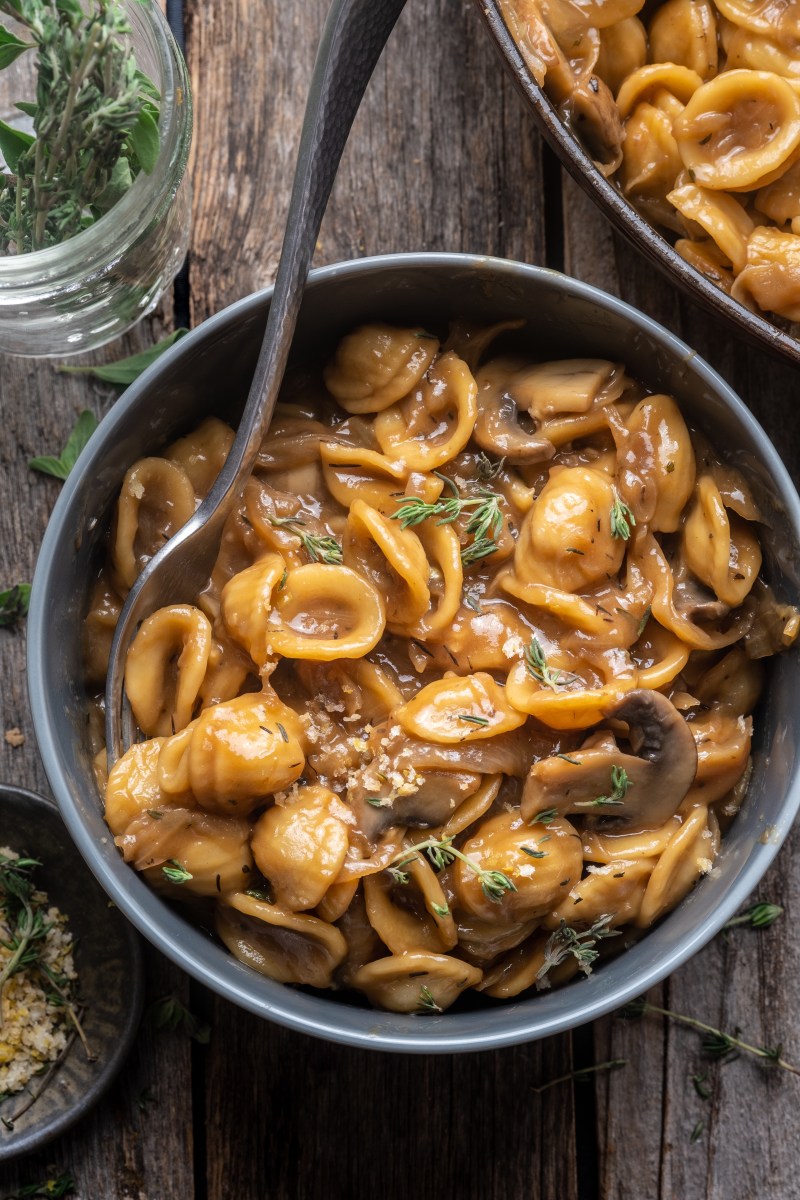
(644, 786)
(289, 947)
(596, 121)
(432, 803)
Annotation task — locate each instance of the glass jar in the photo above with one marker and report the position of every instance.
(89, 289)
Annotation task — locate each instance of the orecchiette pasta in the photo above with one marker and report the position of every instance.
(439, 708)
(694, 107)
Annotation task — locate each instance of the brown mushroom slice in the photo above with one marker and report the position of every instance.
(288, 947)
(435, 798)
(325, 613)
(415, 982)
(690, 853)
(470, 341)
(410, 916)
(481, 941)
(212, 850)
(300, 846)
(377, 365)
(596, 121)
(657, 775)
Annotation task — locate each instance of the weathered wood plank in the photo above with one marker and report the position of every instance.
(122, 1151)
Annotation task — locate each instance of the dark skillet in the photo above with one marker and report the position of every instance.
(757, 329)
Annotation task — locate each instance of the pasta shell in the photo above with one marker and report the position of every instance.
(435, 422)
(289, 947)
(415, 981)
(166, 667)
(325, 613)
(300, 846)
(391, 558)
(541, 877)
(156, 499)
(739, 128)
(377, 365)
(459, 709)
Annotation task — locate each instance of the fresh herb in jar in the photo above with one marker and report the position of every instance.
(95, 121)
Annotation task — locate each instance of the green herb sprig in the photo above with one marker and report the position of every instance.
(566, 941)
(622, 518)
(441, 853)
(53, 1188)
(95, 121)
(620, 782)
(124, 371)
(537, 668)
(60, 467)
(319, 548)
(484, 525)
(167, 1012)
(717, 1044)
(757, 916)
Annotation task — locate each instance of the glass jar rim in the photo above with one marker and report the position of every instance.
(146, 192)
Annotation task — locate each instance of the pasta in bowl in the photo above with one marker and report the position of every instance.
(466, 700)
(682, 119)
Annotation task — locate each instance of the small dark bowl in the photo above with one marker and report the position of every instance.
(209, 371)
(645, 237)
(108, 960)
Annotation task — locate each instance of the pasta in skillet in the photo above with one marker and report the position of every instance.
(469, 691)
(693, 106)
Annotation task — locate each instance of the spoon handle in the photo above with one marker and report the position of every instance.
(353, 37)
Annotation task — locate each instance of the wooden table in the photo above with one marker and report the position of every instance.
(444, 156)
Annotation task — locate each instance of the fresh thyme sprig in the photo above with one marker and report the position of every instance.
(319, 547)
(487, 469)
(55, 1187)
(581, 1074)
(566, 941)
(175, 873)
(620, 782)
(441, 853)
(167, 1012)
(716, 1042)
(426, 1002)
(758, 916)
(622, 519)
(484, 525)
(537, 668)
(95, 122)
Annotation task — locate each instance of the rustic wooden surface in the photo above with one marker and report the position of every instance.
(443, 156)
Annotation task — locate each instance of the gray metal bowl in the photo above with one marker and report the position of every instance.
(209, 371)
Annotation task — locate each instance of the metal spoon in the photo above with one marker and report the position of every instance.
(354, 34)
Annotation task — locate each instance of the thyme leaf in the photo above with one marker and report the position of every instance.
(622, 519)
(441, 853)
(620, 782)
(175, 873)
(758, 916)
(168, 1012)
(566, 941)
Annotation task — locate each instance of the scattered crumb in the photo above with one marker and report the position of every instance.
(15, 737)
